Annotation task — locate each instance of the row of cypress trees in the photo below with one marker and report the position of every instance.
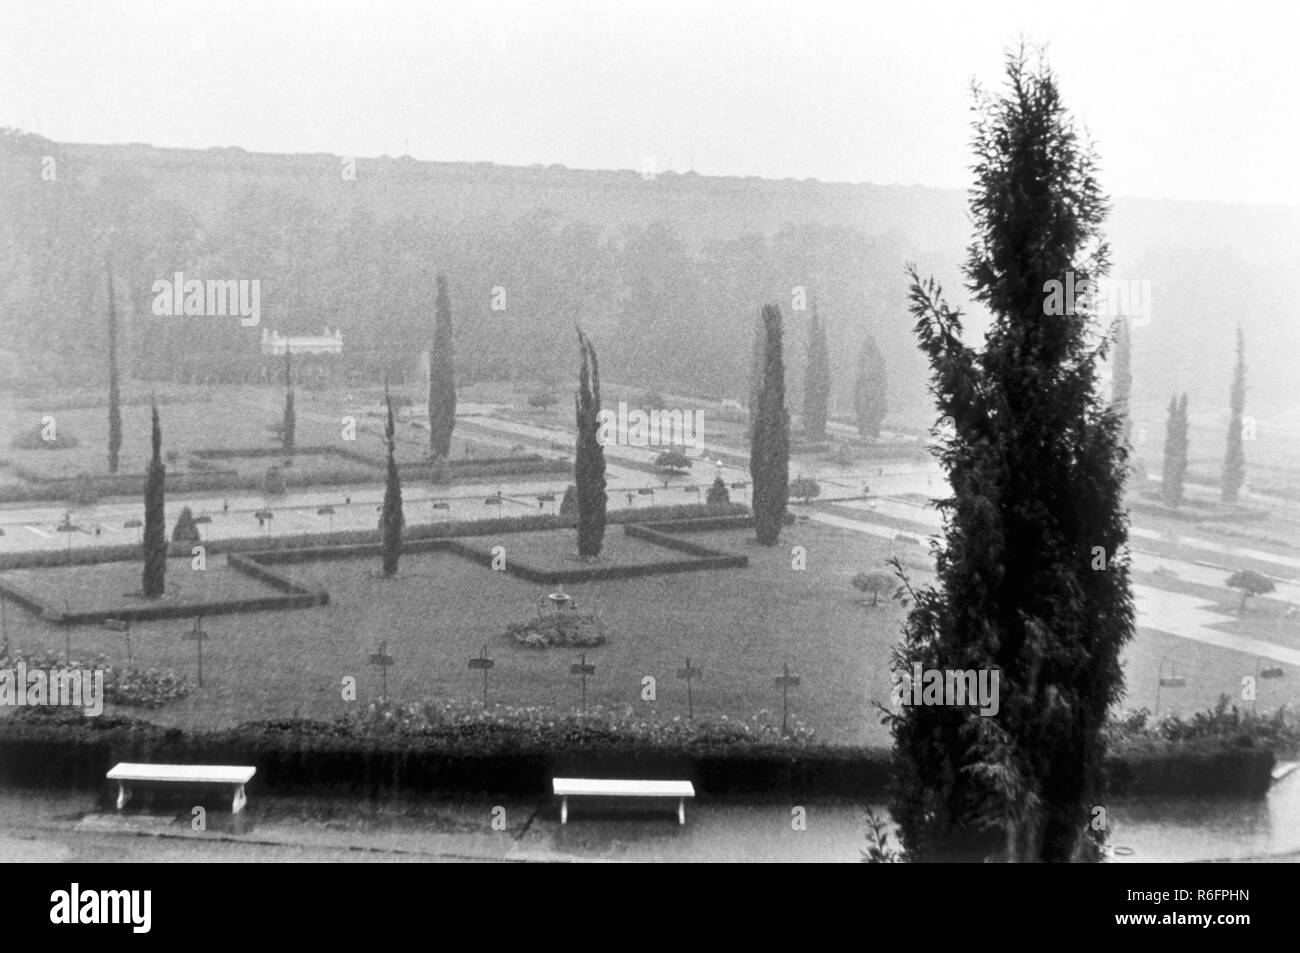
(869, 389)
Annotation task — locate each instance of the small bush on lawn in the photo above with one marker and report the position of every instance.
(569, 505)
(673, 460)
(186, 530)
(567, 628)
(273, 482)
(873, 584)
(130, 687)
(804, 488)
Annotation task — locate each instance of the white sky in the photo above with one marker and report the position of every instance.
(1186, 100)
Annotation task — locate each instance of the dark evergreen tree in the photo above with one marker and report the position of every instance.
(757, 368)
(817, 380)
(391, 520)
(442, 376)
(717, 493)
(1036, 464)
(1121, 385)
(769, 452)
(290, 417)
(114, 392)
(869, 389)
(155, 526)
(1174, 472)
(186, 529)
(1234, 462)
(589, 459)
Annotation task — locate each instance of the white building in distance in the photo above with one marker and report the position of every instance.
(274, 344)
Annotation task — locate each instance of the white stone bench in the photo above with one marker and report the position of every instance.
(566, 788)
(234, 775)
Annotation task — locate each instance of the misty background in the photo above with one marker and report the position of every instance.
(510, 146)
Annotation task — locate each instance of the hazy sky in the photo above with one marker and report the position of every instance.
(1186, 100)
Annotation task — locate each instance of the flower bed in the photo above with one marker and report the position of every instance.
(566, 628)
(130, 687)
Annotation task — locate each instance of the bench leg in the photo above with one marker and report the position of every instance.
(681, 810)
(564, 810)
(123, 795)
(240, 800)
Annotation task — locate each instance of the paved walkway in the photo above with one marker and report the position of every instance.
(1158, 609)
(62, 826)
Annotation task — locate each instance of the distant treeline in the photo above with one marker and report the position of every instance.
(667, 278)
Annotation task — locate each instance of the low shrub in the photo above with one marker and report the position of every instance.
(568, 628)
(186, 530)
(273, 482)
(805, 489)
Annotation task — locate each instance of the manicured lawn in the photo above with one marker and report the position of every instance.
(738, 626)
(556, 551)
(117, 585)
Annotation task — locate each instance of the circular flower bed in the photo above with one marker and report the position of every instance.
(571, 629)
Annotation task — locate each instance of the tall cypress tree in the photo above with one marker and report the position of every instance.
(589, 459)
(1234, 461)
(1122, 376)
(1174, 473)
(391, 521)
(769, 452)
(114, 393)
(1036, 465)
(290, 417)
(817, 380)
(155, 524)
(869, 390)
(442, 376)
(757, 368)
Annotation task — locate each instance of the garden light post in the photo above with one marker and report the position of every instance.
(1174, 680)
(689, 674)
(581, 667)
(481, 661)
(383, 660)
(197, 635)
(785, 682)
(1269, 672)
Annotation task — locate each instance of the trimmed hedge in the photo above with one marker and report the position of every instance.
(298, 756)
(293, 596)
(41, 487)
(1202, 766)
(457, 547)
(262, 544)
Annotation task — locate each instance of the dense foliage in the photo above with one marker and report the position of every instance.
(1036, 463)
